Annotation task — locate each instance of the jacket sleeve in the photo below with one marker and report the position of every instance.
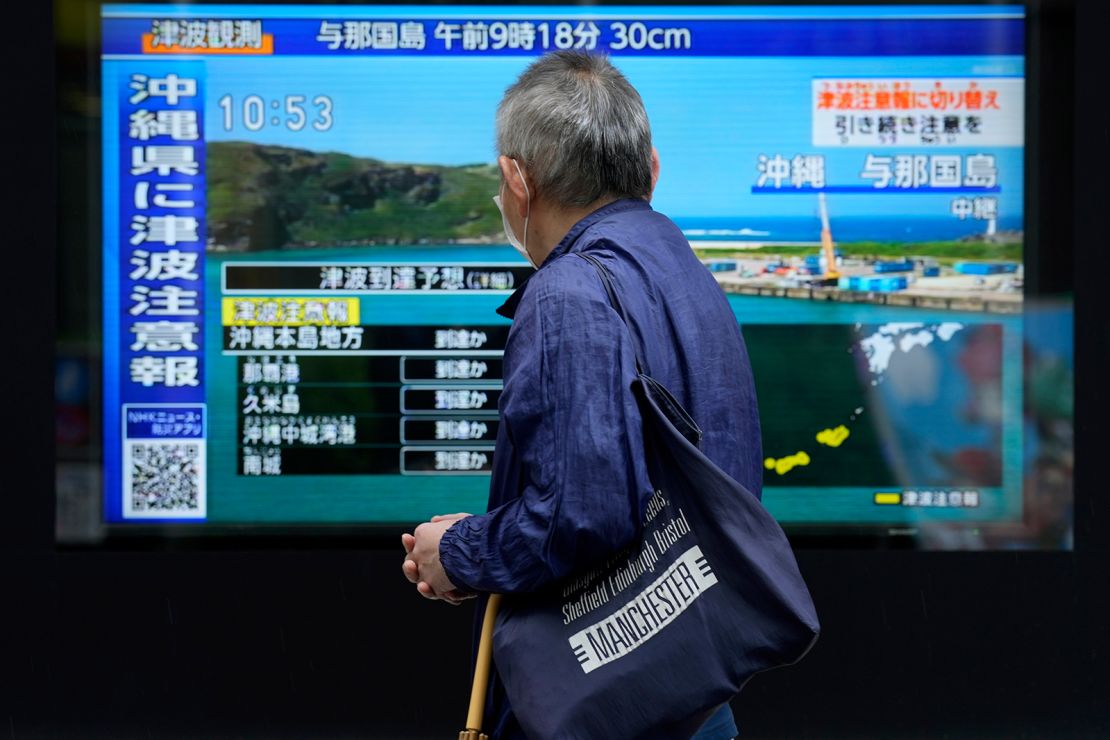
(575, 424)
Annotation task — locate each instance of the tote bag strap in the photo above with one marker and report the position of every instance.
(615, 302)
(674, 411)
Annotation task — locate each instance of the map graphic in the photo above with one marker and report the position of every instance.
(892, 404)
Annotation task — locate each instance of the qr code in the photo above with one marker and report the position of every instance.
(165, 477)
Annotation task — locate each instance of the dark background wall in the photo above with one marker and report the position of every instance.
(326, 643)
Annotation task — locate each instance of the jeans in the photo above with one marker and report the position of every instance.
(721, 726)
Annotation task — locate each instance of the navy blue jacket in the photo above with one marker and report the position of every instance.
(569, 482)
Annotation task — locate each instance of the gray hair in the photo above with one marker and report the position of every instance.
(579, 128)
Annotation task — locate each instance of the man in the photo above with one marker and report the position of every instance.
(570, 483)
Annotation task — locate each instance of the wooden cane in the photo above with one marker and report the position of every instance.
(473, 729)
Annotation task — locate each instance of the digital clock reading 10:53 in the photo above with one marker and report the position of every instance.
(293, 111)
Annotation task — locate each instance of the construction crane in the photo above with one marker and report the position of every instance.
(831, 273)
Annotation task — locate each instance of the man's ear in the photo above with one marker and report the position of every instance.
(512, 177)
(654, 170)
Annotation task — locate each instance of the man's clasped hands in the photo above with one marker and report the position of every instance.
(422, 566)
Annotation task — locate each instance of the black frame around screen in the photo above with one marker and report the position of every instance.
(1049, 269)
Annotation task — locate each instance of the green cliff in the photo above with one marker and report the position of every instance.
(273, 197)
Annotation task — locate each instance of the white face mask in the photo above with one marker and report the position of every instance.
(517, 244)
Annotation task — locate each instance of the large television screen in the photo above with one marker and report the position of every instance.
(300, 259)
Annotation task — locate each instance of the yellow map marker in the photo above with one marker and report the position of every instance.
(784, 465)
(833, 437)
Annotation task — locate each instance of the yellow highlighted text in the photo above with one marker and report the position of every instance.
(253, 311)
